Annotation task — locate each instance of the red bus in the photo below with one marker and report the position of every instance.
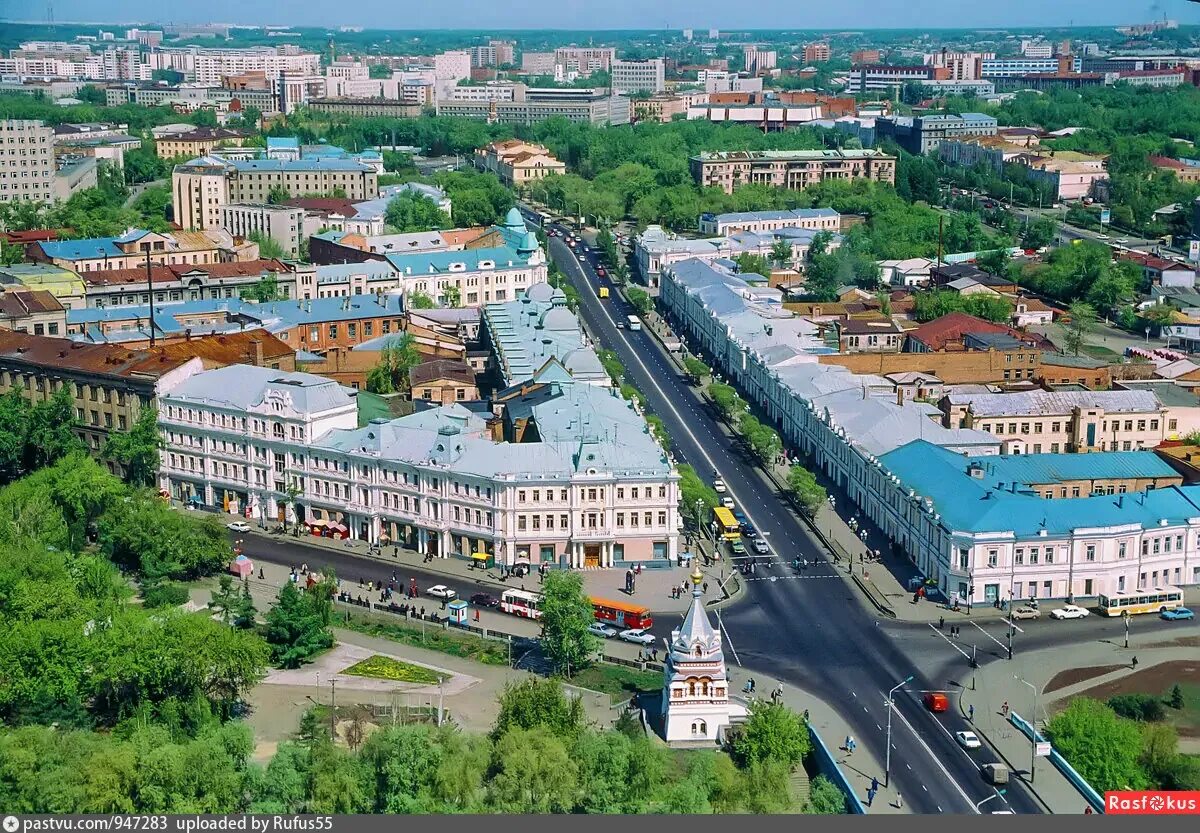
(622, 614)
(521, 603)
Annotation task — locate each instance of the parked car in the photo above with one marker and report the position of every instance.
(485, 600)
(1178, 614)
(760, 547)
(968, 740)
(638, 636)
(1026, 612)
(441, 591)
(602, 630)
(238, 526)
(1068, 612)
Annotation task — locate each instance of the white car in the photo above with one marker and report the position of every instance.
(238, 526)
(1101, 236)
(727, 502)
(440, 591)
(968, 740)
(719, 486)
(602, 630)
(760, 547)
(638, 636)
(1069, 612)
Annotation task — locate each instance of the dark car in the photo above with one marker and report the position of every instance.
(485, 600)
(749, 531)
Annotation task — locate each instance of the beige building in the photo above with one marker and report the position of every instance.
(129, 250)
(518, 163)
(790, 169)
(282, 223)
(34, 311)
(201, 188)
(198, 142)
(1039, 421)
(443, 382)
(26, 161)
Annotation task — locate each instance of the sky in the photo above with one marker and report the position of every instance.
(619, 14)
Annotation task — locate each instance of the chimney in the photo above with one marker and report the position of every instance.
(900, 396)
(256, 349)
(187, 334)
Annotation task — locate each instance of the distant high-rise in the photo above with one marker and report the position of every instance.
(639, 76)
(29, 147)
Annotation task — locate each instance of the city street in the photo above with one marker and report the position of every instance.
(813, 634)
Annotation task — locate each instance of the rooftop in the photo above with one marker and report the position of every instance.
(789, 155)
(1041, 402)
(246, 388)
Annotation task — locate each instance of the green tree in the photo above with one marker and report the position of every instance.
(224, 599)
(298, 625)
(1039, 234)
(639, 299)
(696, 369)
(781, 253)
(419, 300)
(537, 703)
(245, 612)
(803, 485)
(772, 732)
(824, 798)
(697, 498)
(752, 264)
(1102, 747)
(278, 194)
(452, 296)
(566, 615)
(144, 535)
(995, 261)
(397, 358)
(410, 212)
(51, 431)
(533, 773)
(268, 247)
(137, 451)
(1175, 698)
(1082, 323)
(264, 290)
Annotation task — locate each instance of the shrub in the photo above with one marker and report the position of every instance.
(1140, 707)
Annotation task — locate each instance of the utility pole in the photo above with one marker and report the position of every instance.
(439, 714)
(1126, 617)
(333, 707)
(150, 287)
(891, 704)
(1033, 727)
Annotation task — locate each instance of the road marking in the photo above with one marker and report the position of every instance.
(939, 808)
(989, 636)
(650, 377)
(948, 642)
(1013, 625)
(926, 789)
(937, 761)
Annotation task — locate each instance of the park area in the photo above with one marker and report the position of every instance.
(1159, 681)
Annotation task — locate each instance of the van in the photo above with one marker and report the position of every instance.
(996, 774)
(935, 701)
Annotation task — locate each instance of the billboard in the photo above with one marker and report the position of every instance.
(1105, 216)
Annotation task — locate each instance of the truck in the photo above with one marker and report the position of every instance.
(996, 774)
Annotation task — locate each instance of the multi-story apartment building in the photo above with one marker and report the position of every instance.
(409, 107)
(866, 56)
(109, 386)
(945, 500)
(959, 66)
(1017, 67)
(208, 65)
(585, 60)
(130, 250)
(26, 161)
(538, 63)
(198, 142)
(991, 151)
(817, 219)
(648, 76)
(282, 223)
(759, 61)
(791, 169)
(816, 53)
(495, 53)
(202, 187)
(567, 474)
(182, 282)
(923, 134)
(1037, 48)
(517, 163)
(583, 106)
(881, 77)
(1038, 421)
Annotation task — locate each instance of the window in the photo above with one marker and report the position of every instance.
(1019, 555)
(1121, 547)
(992, 557)
(1089, 552)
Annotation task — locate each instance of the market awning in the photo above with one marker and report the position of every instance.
(480, 556)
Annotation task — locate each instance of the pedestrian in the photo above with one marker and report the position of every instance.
(422, 611)
(1135, 663)
(941, 623)
(261, 575)
(1087, 811)
(874, 784)
(1004, 709)
(870, 796)
(641, 655)
(847, 745)
(971, 713)
(706, 588)
(899, 802)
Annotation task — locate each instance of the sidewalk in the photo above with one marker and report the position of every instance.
(1001, 682)
(653, 585)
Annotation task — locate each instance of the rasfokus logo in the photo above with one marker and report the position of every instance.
(1152, 803)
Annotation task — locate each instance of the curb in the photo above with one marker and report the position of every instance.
(881, 606)
(1013, 768)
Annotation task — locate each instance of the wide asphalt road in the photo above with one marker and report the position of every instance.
(809, 630)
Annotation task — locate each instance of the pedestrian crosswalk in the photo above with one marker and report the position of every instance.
(783, 578)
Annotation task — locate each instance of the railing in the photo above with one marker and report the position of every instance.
(1060, 763)
(829, 768)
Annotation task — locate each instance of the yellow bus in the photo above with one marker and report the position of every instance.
(604, 292)
(727, 525)
(1140, 601)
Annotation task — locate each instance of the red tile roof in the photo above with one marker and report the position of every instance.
(949, 330)
(176, 271)
(324, 205)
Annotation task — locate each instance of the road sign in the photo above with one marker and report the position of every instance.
(1105, 216)
(1194, 250)
(1043, 749)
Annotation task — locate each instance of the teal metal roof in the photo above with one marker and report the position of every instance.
(968, 504)
(1025, 469)
(433, 263)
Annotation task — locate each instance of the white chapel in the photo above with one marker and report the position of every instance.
(696, 703)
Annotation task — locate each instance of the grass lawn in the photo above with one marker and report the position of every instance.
(385, 668)
(454, 643)
(617, 681)
(1187, 719)
(1097, 351)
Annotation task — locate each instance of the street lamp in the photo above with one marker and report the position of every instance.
(1125, 615)
(1032, 726)
(891, 704)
